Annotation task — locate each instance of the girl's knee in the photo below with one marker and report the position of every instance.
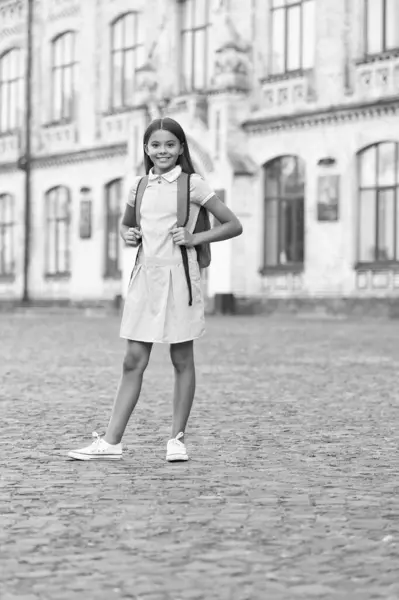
(136, 359)
(182, 356)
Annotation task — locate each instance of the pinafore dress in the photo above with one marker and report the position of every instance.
(157, 307)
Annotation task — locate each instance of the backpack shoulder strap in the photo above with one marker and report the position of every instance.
(141, 186)
(183, 199)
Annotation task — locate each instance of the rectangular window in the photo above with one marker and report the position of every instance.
(284, 213)
(381, 26)
(195, 60)
(127, 55)
(379, 203)
(11, 82)
(58, 232)
(293, 28)
(7, 224)
(63, 78)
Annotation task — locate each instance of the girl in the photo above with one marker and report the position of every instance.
(157, 307)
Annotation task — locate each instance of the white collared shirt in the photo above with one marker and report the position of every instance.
(159, 210)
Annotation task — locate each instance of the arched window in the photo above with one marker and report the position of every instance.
(284, 213)
(195, 55)
(378, 239)
(7, 223)
(293, 27)
(127, 55)
(113, 191)
(58, 242)
(63, 77)
(11, 90)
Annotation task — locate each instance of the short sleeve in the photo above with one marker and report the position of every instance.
(131, 189)
(200, 190)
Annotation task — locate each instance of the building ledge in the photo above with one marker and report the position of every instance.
(282, 269)
(57, 276)
(332, 114)
(377, 267)
(7, 278)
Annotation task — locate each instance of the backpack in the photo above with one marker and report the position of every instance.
(183, 213)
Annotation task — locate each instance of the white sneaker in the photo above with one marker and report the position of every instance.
(98, 450)
(175, 449)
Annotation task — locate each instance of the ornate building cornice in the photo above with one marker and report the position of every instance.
(321, 117)
(69, 158)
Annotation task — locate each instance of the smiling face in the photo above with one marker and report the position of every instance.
(164, 149)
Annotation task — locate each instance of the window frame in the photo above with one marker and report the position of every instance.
(63, 67)
(192, 33)
(7, 228)
(376, 263)
(293, 266)
(54, 221)
(112, 267)
(124, 50)
(385, 17)
(18, 82)
(286, 72)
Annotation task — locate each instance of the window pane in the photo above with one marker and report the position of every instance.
(294, 38)
(8, 254)
(187, 60)
(271, 232)
(308, 34)
(129, 77)
(51, 250)
(200, 62)
(200, 10)
(386, 164)
(68, 48)
(57, 52)
(62, 246)
(129, 31)
(5, 107)
(386, 225)
(367, 222)
(278, 41)
(368, 173)
(292, 183)
(13, 104)
(68, 94)
(392, 24)
(117, 35)
(187, 12)
(374, 26)
(117, 80)
(57, 95)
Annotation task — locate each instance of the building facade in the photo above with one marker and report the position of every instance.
(291, 108)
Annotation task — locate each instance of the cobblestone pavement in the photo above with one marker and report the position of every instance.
(292, 487)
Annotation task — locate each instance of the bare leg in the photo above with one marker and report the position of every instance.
(134, 364)
(182, 356)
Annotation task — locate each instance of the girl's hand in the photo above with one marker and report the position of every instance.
(132, 237)
(182, 237)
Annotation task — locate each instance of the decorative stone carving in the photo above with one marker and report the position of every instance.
(60, 9)
(11, 17)
(146, 84)
(232, 64)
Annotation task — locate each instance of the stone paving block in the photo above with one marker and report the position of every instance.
(291, 490)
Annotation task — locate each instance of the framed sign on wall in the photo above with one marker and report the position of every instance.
(85, 216)
(328, 198)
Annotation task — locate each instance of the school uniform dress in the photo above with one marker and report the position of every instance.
(157, 302)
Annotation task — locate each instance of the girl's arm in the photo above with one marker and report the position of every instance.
(230, 225)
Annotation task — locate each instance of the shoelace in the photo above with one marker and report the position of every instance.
(97, 440)
(176, 440)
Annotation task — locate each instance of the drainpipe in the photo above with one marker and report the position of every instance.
(24, 162)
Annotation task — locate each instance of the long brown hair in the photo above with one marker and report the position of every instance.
(172, 126)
